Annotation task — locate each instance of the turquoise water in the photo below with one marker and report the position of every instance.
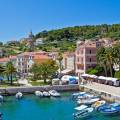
(34, 108)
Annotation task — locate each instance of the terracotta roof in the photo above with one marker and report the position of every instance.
(4, 59)
(41, 57)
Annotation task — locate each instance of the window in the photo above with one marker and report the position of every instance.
(90, 51)
(81, 51)
(90, 59)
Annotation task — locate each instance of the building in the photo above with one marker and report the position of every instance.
(68, 63)
(39, 41)
(86, 55)
(1, 53)
(4, 60)
(27, 59)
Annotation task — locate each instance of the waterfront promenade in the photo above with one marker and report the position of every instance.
(115, 91)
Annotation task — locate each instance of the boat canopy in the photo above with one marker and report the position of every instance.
(82, 107)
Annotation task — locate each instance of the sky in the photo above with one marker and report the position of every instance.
(18, 17)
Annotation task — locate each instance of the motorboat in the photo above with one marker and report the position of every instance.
(1, 114)
(87, 101)
(54, 93)
(1, 98)
(98, 104)
(75, 95)
(110, 109)
(46, 94)
(85, 96)
(80, 108)
(38, 93)
(82, 112)
(19, 95)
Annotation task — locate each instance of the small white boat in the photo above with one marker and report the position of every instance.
(75, 95)
(19, 95)
(46, 94)
(54, 93)
(83, 113)
(85, 96)
(82, 107)
(1, 98)
(98, 104)
(38, 93)
(88, 101)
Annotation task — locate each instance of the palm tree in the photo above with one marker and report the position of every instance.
(10, 69)
(116, 54)
(1, 69)
(101, 59)
(109, 59)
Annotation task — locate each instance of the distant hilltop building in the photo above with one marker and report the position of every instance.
(39, 41)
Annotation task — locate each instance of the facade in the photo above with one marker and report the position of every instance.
(68, 61)
(86, 55)
(39, 41)
(1, 53)
(27, 59)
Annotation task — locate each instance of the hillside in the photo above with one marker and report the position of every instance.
(81, 32)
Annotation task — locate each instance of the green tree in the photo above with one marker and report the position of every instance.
(101, 58)
(44, 70)
(9, 71)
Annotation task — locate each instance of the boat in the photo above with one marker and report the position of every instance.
(87, 101)
(1, 98)
(46, 94)
(85, 96)
(19, 95)
(75, 95)
(1, 114)
(110, 109)
(38, 93)
(54, 93)
(98, 104)
(83, 113)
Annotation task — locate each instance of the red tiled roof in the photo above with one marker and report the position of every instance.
(4, 59)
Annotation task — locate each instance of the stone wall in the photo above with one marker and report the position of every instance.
(14, 90)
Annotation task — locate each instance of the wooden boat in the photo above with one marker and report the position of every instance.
(98, 104)
(19, 95)
(54, 93)
(39, 93)
(83, 113)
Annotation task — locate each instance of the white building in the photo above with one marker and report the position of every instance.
(39, 41)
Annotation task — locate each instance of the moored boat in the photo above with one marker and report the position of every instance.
(1, 98)
(83, 112)
(75, 95)
(46, 94)
(87, 101)
(19, 95)
(98, 104)
(38, 93)
(110, 109)
(54, 93)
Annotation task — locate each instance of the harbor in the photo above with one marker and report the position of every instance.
(50, 108)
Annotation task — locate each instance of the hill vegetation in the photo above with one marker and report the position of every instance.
(65, 39)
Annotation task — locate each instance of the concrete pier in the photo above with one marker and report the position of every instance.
(14, 90)
(110, 93)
